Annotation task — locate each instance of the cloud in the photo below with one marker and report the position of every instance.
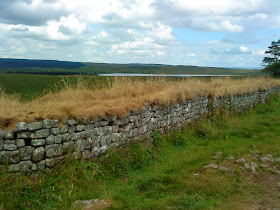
(30, 12)
(239, 50)
(138, 30)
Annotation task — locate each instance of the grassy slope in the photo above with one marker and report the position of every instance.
(30, 86)
(92, 68)
(162, 176)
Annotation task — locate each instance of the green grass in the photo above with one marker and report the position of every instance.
(30, 86)
(161, 176)
(96, 68)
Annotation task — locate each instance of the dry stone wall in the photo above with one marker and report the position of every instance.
(39, 145)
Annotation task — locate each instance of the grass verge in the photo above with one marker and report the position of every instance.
(169, 174)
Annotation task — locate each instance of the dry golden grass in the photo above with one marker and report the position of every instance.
(84, 100)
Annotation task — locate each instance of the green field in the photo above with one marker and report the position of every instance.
(30, 86)
(170, 174)
(102, 68)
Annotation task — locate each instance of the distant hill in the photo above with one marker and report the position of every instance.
(53, 67)
(9, 63)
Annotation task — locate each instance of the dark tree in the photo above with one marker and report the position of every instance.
(273, 63)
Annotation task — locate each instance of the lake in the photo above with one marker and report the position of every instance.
(165, 75)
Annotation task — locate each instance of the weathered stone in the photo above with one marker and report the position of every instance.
(25, 153)
(50, 162)
(96, 151)
(77, 155)
(42, 133)
(21, 126)
(35, 126)
(64, 129)
(38, 154)
(24, 135)
(88, 143)
(103, 149)
(59, 151)
(38, 142)
(41, 165)
(265, 159)
(10, 145)
(241, 160)
(25, 166)
(76, 136)
(92, 204)
(80, 127)
(211, 165)
(34, 167)
(80, 145)
(86, 154)
(54, 150)
(49, 123)
(20, 142)
(71, 129)
(58, 139)
(66, 137)
(1, 144)
(2, 134)
(9, 135)
(50, 139)
(72, 122)
(9, 157)
(68, 146)
(51, 150)
(14, 168)
(55, 131)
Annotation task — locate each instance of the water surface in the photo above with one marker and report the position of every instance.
(166, 75)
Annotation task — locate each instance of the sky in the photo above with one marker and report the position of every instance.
(222, 33)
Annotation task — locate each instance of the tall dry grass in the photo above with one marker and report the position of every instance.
(82, 99)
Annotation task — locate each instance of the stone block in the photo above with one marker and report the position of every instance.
(58, 139)
(2, 134)
(71, 129)
(86, 155)
(35, 126)
(72, 122)
(115, 137)
(55, 131)
(80, 145)
(66, 137)
(80, 127)
(9, 135)
(41, 165)
(38, 154)
(1, 144)
(50, 162)
(24, 135)
(10, 147)
(50, 139)
(20, 142)
(34, 167)
(64, 129)
(68, 147)
(14, 168)
(44, 133)
(9, 157)
(38, 142)
(21, 126)
(25, 166)
(49, 123)
(51, 150)
(25, 153)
